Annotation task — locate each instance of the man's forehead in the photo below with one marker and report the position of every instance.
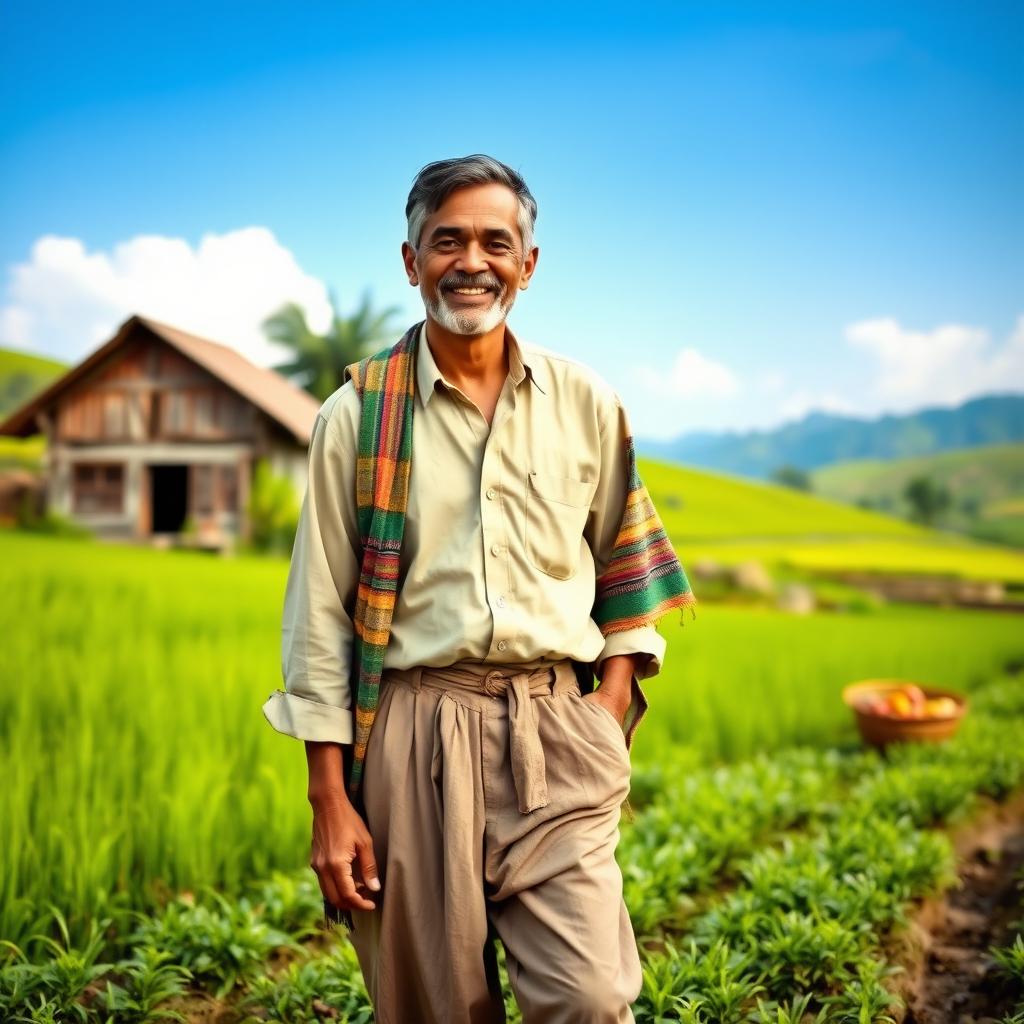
(485, 205)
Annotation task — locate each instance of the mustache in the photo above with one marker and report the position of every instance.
(456, 280)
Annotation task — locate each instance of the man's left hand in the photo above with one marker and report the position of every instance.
(615, 706)
(616, 687)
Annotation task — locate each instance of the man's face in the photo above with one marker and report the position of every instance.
(471, 243)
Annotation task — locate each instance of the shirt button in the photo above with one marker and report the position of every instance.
(501, 601)
(491, 493)
(495, 549)
(502, 644)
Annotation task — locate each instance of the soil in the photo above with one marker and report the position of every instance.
(950, 976)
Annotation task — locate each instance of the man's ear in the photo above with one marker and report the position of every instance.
(529, 266)
(409, 259)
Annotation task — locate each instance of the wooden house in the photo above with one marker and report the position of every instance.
(158, 428)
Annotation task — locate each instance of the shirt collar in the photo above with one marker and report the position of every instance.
(520, 364)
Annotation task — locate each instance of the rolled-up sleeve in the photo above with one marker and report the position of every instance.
(645, 641)
(316, 629)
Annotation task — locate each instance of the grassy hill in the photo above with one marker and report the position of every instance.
(731, 519)
(22, 375)
(986, 486)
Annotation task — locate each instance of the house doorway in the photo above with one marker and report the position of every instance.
(169, 497)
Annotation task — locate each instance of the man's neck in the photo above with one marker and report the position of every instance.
(475, 361)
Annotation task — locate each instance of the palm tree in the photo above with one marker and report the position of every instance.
(319, 360)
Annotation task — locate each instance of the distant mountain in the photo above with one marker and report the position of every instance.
(23, 375)
(821, 439)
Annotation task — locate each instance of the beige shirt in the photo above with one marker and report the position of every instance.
(508, 527)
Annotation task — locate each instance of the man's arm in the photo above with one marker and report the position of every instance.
(632, 654)
(316, 629)
(316, 653)
(617, 681)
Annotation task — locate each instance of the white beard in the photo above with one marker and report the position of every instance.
(467, 321)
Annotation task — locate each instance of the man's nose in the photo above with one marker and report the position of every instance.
(472, 259)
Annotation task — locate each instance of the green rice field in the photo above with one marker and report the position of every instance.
(137, 755)
(139, 767)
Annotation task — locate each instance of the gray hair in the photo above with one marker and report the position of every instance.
(437, 180)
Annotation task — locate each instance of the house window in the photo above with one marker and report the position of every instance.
(98, 487)
(202, 481)
(202, 410)
(230, 412)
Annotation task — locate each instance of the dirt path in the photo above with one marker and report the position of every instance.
(950, 976)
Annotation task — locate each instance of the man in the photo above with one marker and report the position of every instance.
(487, 785)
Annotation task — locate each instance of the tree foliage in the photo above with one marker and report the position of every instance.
(272, 510)
(318, 361)
(794, 477)
(927, 499)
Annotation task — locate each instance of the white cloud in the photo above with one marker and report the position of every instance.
(65, 301)
(895, 370)
(943, 366)
(691, 375)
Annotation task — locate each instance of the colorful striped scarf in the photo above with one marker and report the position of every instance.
(642, 581)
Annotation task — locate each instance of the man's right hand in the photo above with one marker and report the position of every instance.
(342, 855)
(342, 849)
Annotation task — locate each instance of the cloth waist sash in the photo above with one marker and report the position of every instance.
(517, 685)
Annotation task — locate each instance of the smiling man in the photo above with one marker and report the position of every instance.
(474, 545)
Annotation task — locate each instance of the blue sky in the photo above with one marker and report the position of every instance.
(745, 211)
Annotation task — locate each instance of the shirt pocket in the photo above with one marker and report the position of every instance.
(556, 513)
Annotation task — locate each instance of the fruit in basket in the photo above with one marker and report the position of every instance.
(907, 701)
(916, 695)
(874, 704)
(940, 707)
(900, 705)
(898, 711)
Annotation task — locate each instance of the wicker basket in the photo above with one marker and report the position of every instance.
(879, 730)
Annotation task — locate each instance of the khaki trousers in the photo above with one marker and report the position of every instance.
(493, 799)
